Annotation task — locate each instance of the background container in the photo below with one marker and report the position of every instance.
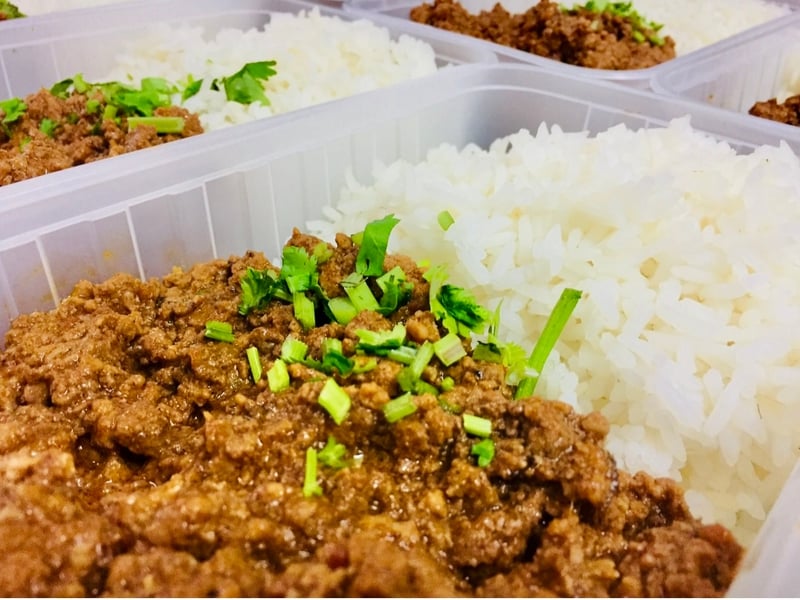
(38, 51)
(639, 78)
(734, 75)
(246, 188)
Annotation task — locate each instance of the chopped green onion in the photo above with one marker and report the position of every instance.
(365, 366)
(399, 408)
(638, 36)
(449, 349)
(322, 253)
(311, 486)
(334, 358)
(303, 310)
(484, 450)
(342, 309)
(217, 330)
(380, 342)
(293, 350)
(161, 124)
(445, 219)
(477, 425)
(448, 407)
(335, 400)
(254, 360)
(48, 127)
(409, 383)
(372, 250)
(403, 354)
(547, 340)
(109, 112)
(278, 377)
(447, 384)
(421, 359)
(357, 289)
(332, 455)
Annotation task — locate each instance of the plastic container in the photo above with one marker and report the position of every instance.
(247, 188)
(639, 78)
(733, 76)
(38, 51)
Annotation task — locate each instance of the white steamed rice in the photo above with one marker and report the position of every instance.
(689, 256)
(319, 58)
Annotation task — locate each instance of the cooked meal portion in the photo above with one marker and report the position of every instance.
(787, 111)
(76, 123)
(320, 57)
(600, 35)
(345, 424)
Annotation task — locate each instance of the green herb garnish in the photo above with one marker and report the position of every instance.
(374, 242)
(217, 330)
(547, 340)
(311, 486)
(334, 400)
(245, 85)
(399, 408)
(332, 455)
(484, 450)
(254, 361)
(278, 377)
(477, 425)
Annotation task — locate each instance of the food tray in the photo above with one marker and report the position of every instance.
(733, 76)
(639, 78)
(38, 51)
(247, 189)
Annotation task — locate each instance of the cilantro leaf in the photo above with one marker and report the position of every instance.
(372, 251)
(13, 109)
(462, 306)
(48, 127)
(245, 85)
(258, 288)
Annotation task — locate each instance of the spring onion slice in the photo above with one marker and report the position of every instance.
(399, 408)
(254, 360)
(293, 350)
(477, 425)
(403, 354)
(445, 219)
(342, 309)
(547, 340)
(278, 377)
(449, 349)
(217, 330)
(161, 124)
(332, 455)
(421, 359)
(311, 486)
(334, 400)
(484, 450)
(303, 310)
(357, 289)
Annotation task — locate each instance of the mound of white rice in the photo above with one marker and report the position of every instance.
(697, 23)
(319, 58)
(686, 338)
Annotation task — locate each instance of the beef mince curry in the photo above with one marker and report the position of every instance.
(326, 427)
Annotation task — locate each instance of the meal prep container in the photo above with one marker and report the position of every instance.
(38, 51)
(733, 76)
(639, 78)
(247, 187)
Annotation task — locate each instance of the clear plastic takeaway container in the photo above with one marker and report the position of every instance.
(247, 189)
(760, 66)
(639, 78)
(38, 51)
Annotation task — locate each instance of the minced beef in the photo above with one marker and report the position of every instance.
(787, 112)
(576, 36)
(76, 135)
(138, 457)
